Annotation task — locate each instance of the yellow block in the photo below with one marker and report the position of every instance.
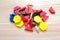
(17, 19)
(43, 26)
(20, 24)
(37, 19)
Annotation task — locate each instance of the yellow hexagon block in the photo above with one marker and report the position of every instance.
(37, 19)
(43, 26)
(17, 19)
(20, 24)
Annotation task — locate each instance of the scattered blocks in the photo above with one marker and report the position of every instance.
(30, 18)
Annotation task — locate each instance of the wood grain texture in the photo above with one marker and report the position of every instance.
(9, 31)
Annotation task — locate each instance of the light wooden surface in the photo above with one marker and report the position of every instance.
(9, 31)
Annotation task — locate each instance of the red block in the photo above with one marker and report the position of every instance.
(44, 18)
(17, 11)
(36, 11)
(16, 8)
(28, 28)
(25, 18)
(28, 10)
(42, 13)
(51, 10)
(29, 25)
(27, 22)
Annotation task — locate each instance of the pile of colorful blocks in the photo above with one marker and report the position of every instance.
(30, 18)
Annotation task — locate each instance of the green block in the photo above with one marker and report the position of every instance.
(35, 24)
(33, 15)
(24, 13)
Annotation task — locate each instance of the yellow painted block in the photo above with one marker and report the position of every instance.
(20, 24)
(37, 19)
(43, 26)
(17, 19)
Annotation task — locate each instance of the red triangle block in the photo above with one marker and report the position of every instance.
(42, 13)
(44, 18)
(51, 10)
(28, 28)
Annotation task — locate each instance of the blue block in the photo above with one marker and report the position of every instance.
(12, 16)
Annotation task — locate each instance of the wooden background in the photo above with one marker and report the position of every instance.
(9, 31)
